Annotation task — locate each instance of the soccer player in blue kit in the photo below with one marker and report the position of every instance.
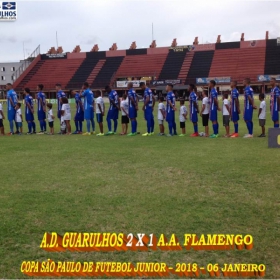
(193, 109)
(79, 117)
(133, 107)
(59, 95)
(148, 108)
(113, 112)
(41, 104)
(235, 108)
(248, 107)
(274, 102)
(88, 108)
(170, 110)
(11, 102)
(29, 110)
(214, 108)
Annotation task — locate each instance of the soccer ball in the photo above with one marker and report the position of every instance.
(201, 134)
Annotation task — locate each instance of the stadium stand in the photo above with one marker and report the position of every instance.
(173, 64)
(221, 59)
(272, 58)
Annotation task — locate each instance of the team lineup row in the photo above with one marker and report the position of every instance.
(87, 104)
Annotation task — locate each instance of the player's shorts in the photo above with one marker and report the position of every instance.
(235, 117)
(29, 117)
(194, 118)
(160, 121)
(113, 114)
(148, 113)
(1, 123)
(125, 119)
(226, 120)
(182, 124)
(170, 117)
(213, 115)
(19, 124)
(41, 115)
(11, 115)
(99, 118)
(248, 115)
(88, 114)
(79, 117)
(262, 122)
(51, 124)
(132, 113)
(205, 119)
(275, 116)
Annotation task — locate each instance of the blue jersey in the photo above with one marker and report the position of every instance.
(11, 94)
(41, 97)
(170, 98)
(248, 92)
(88, 99)
(193, 100)
(234, 97)
(148, 96)
(274, 95)
(114, 99)
(79, 104)
(28, 100)
(59, 95)
(132, 95)
(213, 95)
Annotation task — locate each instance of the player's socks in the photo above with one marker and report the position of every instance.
(92, 124)
(115, 125)
(214, 129)
(236, 128)
(11, 126)
(174, 128)
(77, 125)
(80, 126)
(109, 125)
(41, 126)
(152, 125)
(249, 127)
(135, 126)
(88, 126)
(276, 125)
(252, 128)
(170, 127)
(29, 127)
(34, 127)
(44, 126)
(195, 127)
(217, 130)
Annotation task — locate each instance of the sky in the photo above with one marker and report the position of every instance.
(105, 22)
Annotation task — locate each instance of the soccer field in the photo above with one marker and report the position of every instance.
(139, 185)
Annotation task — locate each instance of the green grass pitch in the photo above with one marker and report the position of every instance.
(139, 185)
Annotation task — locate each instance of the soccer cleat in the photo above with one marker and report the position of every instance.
(146, 134)
(40, 133)
(182, 135)
(10, 133)
(92, 133)
(100, 134)
(86, 134)
(169, 135)
(213, 136)
(75, 132)
(29, 133)
(195, 134)
(248, 136)
(152, 133)
(132, 134)
(109, 133)
(262, 135)
(234, 135)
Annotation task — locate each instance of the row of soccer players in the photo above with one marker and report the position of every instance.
(85, 110)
